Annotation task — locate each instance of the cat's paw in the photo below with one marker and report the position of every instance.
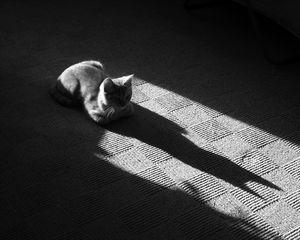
(122, 112)
(110, 113)
(102, 120)
(98, 117)
(130, 109)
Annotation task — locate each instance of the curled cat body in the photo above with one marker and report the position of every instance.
(104, 99)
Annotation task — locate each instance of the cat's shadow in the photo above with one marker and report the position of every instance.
(160, 132)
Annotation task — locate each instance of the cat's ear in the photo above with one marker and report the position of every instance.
(127, 80)
(108, 85)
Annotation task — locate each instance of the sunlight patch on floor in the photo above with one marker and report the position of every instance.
(246, 146)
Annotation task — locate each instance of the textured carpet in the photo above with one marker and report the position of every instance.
(211, 153)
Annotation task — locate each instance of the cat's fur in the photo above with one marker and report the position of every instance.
(105, 99)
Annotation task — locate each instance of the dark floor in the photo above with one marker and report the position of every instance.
(211, 153)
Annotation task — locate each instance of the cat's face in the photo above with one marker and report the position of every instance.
(118, 91)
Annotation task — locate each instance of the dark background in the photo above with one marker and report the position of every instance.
(56, 182)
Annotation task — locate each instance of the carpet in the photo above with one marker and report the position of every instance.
(212, 151)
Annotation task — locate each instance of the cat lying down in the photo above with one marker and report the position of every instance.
(104, 99)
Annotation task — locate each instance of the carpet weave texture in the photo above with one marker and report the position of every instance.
(212, 151)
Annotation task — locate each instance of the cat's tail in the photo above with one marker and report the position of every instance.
(60, 95)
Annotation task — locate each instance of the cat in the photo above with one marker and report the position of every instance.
(105, 99)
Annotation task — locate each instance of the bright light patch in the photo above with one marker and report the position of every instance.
(248, 151)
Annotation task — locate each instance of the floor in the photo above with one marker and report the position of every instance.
(212, 151)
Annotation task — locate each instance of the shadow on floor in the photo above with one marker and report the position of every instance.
(74, 194)
(163, 134)
(59, 189)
